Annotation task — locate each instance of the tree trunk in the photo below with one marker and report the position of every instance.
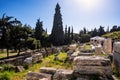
(18, 52)
(7, 53)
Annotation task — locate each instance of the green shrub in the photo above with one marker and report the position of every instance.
(5, 76)
(6, 67)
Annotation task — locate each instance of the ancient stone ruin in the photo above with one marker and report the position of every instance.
(92, 67)
(116, 55)
(84, 68)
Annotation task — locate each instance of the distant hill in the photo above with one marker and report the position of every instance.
(114, 35)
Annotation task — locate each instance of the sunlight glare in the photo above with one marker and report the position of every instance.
(89, 5)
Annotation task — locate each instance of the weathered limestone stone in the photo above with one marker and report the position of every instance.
(116, 47)
(37, 58)
(116, 55)
(43, 51)
(54, 50)
(65, 48)
(107, 46)
(38, 76)
(116, 59)
(15, 61)
(85, 54)
(75, 54)
(20, 68)
(28, 61)
(91, 66)
(72, 47)
(48, 70)
(63, 75)
(49, 51)
(98, 49)
(69, 53)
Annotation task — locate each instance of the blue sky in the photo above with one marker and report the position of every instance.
(76, 13)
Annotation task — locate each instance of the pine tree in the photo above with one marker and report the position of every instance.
(101, 31)
(94, 32)
(57, 35)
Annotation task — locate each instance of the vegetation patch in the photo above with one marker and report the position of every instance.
(113, 35)
(87, 47)
(9, 74)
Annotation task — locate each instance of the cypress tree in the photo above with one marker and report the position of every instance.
(57, 34)
(72, 34)
(66, 31)
(66, 36)
(69, 36)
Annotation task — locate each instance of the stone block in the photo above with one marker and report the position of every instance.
(98, 49)
(107, 45)
(91, 66)
(49, 51)
(54, 50)
(72, 47)
(75, 54)
(116, 59)
(116, 47)
(28, 61)
(48, 70)
(90, 61)
(85, 54)
(38, 76)
(20, 68)
(37, 58)
(62, 74)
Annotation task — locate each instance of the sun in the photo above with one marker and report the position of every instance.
(89, 4)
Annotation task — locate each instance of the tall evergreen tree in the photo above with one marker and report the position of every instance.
(39, 30)
(114, 28)
(66, 31)
(72, 34)
(81, 33)
(94, 32)
(107, 31)
(66, 35)
(57, 35)
(101, 31)
(85, 31)
(69, 35)
(46, 30)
